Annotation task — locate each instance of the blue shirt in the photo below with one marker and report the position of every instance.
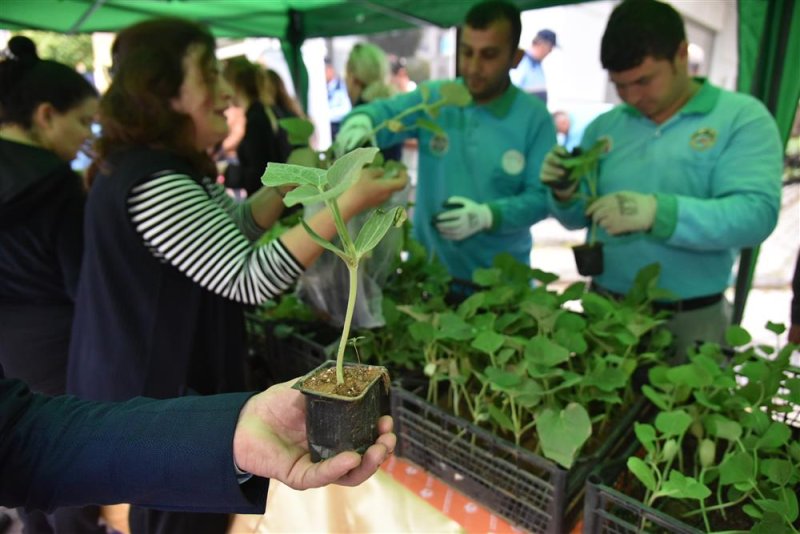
(529, 76)
(491, 154)
(715, 168)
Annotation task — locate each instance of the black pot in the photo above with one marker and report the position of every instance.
(336, 423)
(589, 259)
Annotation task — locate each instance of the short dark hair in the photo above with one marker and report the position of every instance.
(482, 15)
(27, 81)
(640, 28)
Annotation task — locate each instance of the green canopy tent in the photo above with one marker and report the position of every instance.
(769, 38)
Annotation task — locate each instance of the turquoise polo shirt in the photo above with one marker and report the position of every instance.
(715, 168)
(491, 154)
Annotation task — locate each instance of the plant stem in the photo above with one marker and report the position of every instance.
(348, 319)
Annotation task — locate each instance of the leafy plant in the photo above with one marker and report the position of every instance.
(722, 438)
(314, 185)
(584, 166)
(514, 358)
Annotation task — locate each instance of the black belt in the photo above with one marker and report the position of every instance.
(694, 303)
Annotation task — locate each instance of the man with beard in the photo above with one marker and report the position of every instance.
(478, 191)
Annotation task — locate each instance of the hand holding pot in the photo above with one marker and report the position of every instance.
(270, 441)
(624, 212)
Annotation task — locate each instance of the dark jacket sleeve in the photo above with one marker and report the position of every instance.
(258, 147)
(171, 454)
(796, 292)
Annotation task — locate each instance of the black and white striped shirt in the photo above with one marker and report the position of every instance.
(210, 238)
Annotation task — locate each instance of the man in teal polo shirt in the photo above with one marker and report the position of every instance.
(692, 173)
(478, 191)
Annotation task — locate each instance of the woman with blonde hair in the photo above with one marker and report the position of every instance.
(367, 78)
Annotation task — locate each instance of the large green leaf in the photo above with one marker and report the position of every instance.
(778, 471)
(777, 435)
(690, 375)
(562, 433)
(737, 336)
(345, 170)
(305, 157)
(722, 427)
(542, 351)
(278, 174)
(646, 435)
(502, 379)
(375, 228)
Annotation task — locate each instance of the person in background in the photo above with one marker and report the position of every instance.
(46, 112)
(212, 454)
(691, 175)
(564, 136)
(338, 101)
(170, 260)
(261, 141)
(400, 79)
(529, 74)
(366, 77)
(478, 191)
(278, 98)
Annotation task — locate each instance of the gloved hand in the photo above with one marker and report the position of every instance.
(353, 134)
(624, 212)
(555, 176)
(465, 218)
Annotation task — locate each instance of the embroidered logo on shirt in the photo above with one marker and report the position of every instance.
(703, 139)
(513, 162)
(439, 144)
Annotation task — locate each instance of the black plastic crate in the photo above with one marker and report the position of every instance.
(526, 489)
(607, 511)
(277, 351)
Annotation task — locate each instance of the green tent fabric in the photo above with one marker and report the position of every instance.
(292, 21)
(769, 69)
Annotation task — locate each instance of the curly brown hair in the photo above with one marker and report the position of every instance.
(148, 72)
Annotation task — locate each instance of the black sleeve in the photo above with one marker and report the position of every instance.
(258, 147)
(796, 292)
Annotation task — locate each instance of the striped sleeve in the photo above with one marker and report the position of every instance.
(240, 212)
(183, 226)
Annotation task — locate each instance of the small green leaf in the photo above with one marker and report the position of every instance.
(375, 228)
(724, 428)
(499, 417)
(345, 170)
(305, 157)
(679, 486)
(655, 397)
(643, 472)
(502, 379)
(778, 471)
(542, 351)
(691, 375)
(646, 435)
(673, 423)
(422, 332)
(777, 435)
(737, 336)
(299, 130)
(455, 94)
(324, 243)
(776, 328)
(735, 468)
(429, 125)
(488, 341)
(562, 433)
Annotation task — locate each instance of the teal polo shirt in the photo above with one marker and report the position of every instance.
(715, 168)
(491, 154)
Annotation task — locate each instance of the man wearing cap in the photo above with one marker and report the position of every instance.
(478, 191)
(529, 75)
